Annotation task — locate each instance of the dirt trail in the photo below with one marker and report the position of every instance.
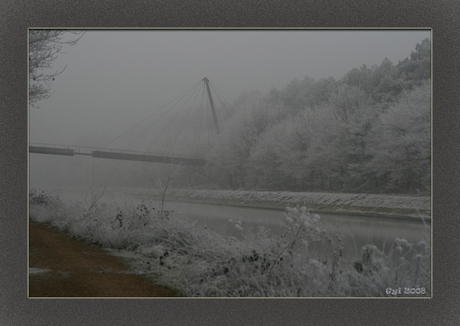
(76, 269)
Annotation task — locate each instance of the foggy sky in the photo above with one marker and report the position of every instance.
(114, 79)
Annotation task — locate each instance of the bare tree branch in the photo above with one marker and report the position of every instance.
(44, 47)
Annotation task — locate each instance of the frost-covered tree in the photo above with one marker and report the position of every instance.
(418, 67)
(277, 159)
(44, 47)
(231, 150)
(298, 95)
(401, 143)
(367, 132)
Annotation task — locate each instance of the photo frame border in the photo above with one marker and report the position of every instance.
(16, 309)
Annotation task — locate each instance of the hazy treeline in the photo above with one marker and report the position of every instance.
(370, 131)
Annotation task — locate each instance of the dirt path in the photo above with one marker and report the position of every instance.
(75, 269)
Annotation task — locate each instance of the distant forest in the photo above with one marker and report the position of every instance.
(370, 131)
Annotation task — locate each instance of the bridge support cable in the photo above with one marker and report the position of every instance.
(35, 136)
(193, 95)
(218, 91)
(175, 100)
(185, 120)
(45, 130)
(159, 135)
(197, 130)
(190, 91)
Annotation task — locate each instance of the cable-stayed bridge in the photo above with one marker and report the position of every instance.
(145, 156)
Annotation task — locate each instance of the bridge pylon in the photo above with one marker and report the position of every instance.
(211, 102)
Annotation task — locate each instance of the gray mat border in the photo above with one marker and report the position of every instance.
(17, 16)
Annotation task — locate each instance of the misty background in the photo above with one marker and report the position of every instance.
(114, 80)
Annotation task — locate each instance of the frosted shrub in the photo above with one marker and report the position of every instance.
(406, 271)
(414, 268)
(305, 261)
(45, 207)
(301, 227)
(39, 198)
(265, 265)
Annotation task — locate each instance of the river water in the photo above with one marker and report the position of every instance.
(355, 230)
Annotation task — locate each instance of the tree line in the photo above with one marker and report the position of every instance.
(369, 131)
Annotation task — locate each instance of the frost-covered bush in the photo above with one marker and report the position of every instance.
(263, 265)
(38, 198)
(44, 207)
(305, 261)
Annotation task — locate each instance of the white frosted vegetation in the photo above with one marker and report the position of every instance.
(181, 254)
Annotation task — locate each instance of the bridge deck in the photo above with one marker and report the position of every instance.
(118, 155)
(51, 150)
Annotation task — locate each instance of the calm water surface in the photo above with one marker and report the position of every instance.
(356, 231)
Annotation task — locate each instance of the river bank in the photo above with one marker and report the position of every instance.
(61, 266)
(359, 204)
(181, 254)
